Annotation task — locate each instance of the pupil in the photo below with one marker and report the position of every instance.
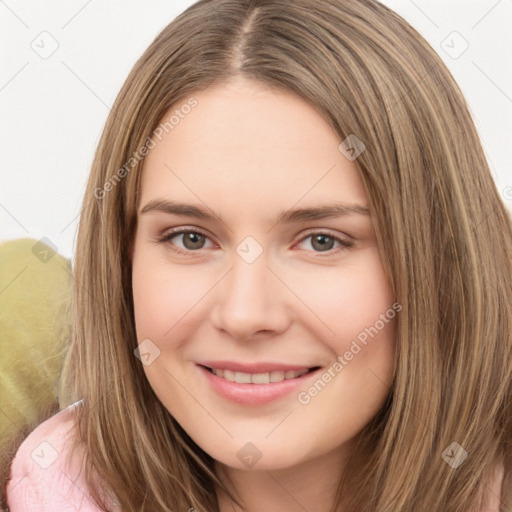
(193, 241)
(324, 242)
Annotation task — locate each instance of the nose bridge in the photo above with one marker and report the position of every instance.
(249, 280)
(248, 299)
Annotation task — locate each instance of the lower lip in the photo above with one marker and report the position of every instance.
(254, 394)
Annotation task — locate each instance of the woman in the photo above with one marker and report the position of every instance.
(292, 266)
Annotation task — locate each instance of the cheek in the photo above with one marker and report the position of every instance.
(166, 297)
(349, 300)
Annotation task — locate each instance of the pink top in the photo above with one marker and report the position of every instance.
(42, 480)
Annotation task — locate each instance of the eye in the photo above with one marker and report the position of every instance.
(186, 241)
(325, 242)
(190, 240)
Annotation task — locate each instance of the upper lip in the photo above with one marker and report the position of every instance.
(263, 367)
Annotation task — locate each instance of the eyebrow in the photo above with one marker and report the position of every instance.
(285, 217)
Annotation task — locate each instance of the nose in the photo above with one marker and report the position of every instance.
(250, 301)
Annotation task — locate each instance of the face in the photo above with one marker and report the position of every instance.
(261, 302)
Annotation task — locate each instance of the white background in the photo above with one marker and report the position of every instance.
(53, 109)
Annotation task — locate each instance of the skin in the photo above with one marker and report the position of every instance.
(247, 153)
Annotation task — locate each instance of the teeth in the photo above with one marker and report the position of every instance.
(276, 376)
(242, 378)
(228, 375)
(258, 378)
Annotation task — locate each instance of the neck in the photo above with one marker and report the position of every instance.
(310, 485)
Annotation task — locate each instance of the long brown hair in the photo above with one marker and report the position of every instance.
(444, 236)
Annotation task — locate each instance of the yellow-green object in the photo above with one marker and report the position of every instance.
(35, 295)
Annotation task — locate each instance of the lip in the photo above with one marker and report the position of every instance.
(263, 367)
(254, 394)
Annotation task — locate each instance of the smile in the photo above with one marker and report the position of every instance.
(258, 378)
(255, 384)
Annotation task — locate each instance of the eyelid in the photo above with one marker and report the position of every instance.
(326, 231)
(185, 229)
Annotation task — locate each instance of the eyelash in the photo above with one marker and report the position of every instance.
(345, 244)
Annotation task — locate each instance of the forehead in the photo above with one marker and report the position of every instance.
(245, 143)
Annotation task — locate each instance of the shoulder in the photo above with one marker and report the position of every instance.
(44, 477)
